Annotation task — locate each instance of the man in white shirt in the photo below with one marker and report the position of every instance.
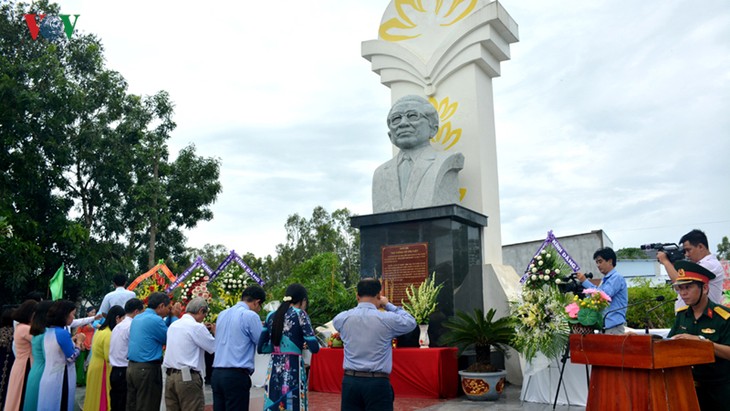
(119, 296)
(118, 348)
(184, 360)
(697, 250)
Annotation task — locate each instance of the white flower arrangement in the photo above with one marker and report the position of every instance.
(422, 301)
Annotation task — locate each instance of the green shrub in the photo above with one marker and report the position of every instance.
(662, 317)
(328, 296)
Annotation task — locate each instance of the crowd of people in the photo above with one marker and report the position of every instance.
(128, 349)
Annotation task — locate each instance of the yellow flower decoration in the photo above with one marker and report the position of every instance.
(413, 15)
(446, 137)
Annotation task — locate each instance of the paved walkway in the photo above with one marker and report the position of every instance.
(510, 401)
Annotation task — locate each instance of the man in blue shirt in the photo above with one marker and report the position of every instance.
(147, 335)
(612, 284)
(367, 335)
(237, 333)
(119, 296)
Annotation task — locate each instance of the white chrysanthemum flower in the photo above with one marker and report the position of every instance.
(533, 277)
(540, 262)
(557, 271)
(534, 269)
(557, 281)
(547, 255)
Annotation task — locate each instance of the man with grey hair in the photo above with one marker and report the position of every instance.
(184, 360)
(419, 176)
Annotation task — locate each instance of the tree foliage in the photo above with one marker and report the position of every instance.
(723, 249)
(631, 253)
(327, 294)
(307, 238)
(87, 176)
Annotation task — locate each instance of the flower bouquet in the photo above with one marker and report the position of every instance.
(334, 341)
(422, 301)
(584, 315)
(544, 269)
(196, 285)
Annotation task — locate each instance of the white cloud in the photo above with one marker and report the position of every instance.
(611, 114)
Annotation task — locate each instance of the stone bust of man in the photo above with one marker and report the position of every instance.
(419, 175)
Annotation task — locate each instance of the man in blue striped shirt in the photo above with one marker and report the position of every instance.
(367, 335)
(237, 333)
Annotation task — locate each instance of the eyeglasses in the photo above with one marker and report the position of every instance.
(411, 116)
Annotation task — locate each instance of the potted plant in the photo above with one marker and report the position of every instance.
(481, 380)
(421, 303)
(584, 315)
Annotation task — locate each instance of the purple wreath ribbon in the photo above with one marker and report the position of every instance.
(233, 256)
(550, 239)
(185, 274)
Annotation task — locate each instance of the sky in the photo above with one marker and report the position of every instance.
(611, 115)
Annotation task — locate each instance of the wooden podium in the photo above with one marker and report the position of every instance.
(636, 372)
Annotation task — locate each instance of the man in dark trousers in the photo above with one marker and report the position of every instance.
(367, 335)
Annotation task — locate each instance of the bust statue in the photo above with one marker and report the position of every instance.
(419, 175)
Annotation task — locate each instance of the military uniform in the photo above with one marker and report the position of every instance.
(712, 381)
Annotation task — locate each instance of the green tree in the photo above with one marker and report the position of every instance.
(322, 233)
(631, 253)
(87, 180)
(723, 249)
(321, 276)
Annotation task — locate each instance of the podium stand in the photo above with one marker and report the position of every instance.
(636, 372)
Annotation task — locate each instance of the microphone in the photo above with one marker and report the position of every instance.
(646, 328)
(657, 298)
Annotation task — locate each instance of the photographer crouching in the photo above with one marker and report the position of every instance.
(612, 284)
(696, 250)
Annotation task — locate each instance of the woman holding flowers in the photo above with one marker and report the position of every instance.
(287, 332)
(612, 284)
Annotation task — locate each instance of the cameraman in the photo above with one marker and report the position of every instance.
(696, 250)
(612, 284)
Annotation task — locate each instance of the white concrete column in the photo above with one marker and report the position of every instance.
(448, 51)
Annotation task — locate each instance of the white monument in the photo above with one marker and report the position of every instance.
(448, 51)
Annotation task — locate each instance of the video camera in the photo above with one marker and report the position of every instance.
(672, 250)
(570, 284)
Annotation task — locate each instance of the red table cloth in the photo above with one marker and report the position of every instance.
(417, 372)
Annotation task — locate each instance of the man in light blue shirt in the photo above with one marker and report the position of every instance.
(119, 296)
(612, 284)
(367, 335)
(237, 333)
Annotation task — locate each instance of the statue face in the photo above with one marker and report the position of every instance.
(409, 126)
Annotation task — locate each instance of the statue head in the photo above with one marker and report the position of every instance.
(412, 122)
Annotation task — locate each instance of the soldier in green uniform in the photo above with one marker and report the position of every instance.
(702, 319)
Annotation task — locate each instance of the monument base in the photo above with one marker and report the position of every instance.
(453, 238)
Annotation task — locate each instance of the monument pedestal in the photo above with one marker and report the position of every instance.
(452, 236)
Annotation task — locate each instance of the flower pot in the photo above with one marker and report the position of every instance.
(423, 340)
(483, 386)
